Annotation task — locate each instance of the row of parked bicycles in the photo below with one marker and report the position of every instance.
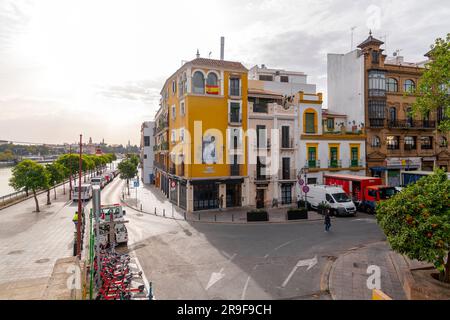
(119, 279)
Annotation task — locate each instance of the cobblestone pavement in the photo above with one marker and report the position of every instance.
(348, 277)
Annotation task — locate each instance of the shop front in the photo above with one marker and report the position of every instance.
(395, 165)
(206, 195)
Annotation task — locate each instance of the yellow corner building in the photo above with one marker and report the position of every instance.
(200, 144)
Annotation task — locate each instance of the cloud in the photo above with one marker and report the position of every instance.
(143, 90)
(14, 17)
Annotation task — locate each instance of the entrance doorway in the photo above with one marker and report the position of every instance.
(260, 193)
(234, 195)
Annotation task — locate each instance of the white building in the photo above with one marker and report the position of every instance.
(326, 144)
(147, 152)
(281, 81)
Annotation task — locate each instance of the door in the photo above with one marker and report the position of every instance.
(333, 157)
(260, 198)
(354, 155)
(286, 168)
(312, 157)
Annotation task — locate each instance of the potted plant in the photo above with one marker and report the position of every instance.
(257, 215)
(323, 207)
(297, 213)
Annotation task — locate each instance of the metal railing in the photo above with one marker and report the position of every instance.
(261, 177)
(335, 164)
(312, 164)
(286, 175)
(287, 144)
(412, 124)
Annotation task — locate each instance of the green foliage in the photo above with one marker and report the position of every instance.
(127, 169)
(433, 89)
(56, 173)
(133, 158)
(416, 221)
(30, 175)
(70, 162)
(7, 155)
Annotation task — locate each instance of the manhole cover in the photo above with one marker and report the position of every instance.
(42, 261)
(15, 252)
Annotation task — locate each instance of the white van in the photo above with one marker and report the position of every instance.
(99, 181)
(336, 197)
(86, 192)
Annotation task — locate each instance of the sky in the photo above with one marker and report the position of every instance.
(94, 67)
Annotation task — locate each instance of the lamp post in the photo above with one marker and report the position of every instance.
(305, 171)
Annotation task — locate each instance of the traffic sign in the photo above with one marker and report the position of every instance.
(301, 182)
(136, 183)
(305, 189)
(173, 184)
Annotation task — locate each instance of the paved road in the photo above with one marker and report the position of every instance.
(191, 260)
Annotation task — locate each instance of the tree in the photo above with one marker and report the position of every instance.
(133, 158)
(31, 175)
(433, 90)
(71, 163)
(56, 173)
(417, 221)
(128, 171)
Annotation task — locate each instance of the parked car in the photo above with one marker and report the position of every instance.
(86, 192)
(99, 180)
(339, 202)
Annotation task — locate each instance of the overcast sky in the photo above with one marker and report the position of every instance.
(97, 67)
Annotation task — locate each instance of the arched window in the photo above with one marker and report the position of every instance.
(376, 142)
(409, 86)
(409, 117)
(198, 83)
(392, 85)
(212, 86)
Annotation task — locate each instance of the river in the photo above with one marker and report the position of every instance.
(5, 174)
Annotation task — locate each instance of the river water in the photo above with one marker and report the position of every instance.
(5, 174)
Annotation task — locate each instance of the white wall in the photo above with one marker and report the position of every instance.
(345, 84)
(147, 168)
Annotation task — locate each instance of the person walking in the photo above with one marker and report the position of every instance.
(327, 221)
(221, 202)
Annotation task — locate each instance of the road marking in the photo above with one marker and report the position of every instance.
(301, 263)
(244, 291)
(217, 276)
(283, 245)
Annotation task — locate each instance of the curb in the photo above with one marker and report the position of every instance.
(222, 222)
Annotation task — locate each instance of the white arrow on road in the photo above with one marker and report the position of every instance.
(302, 263)
(217, 276)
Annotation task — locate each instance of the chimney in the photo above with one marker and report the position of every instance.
(222, 48)
(198, 54)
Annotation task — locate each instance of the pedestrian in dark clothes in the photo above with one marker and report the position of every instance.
(327, 221)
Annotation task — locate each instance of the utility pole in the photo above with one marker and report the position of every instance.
(80, 215)
(96, 204)
(70, 175)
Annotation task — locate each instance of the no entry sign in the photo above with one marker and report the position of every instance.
(305, 189)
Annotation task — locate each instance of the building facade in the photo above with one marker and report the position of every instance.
(203, 116)
(147, 152)
(366, 82)
(272, 155)
(326, 144)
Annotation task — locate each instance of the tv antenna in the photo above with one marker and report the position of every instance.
(352, 29)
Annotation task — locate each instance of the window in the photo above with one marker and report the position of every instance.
(174, 86)
(375, 57)
(329, 198)
(174, 136)
(198, 83)
(443, 143)
(235, 112)
(212, 84)
(393, 115)
(426, 143)
(392, 85)
(392, 142)
(145, 156)
(174, 112)
(261, 136)
(354, 156)
(312, 181)
(182, 135)
(377, 83)
(182, 109)
(264, 77)
(330, 124)
(284, 79)
(377, 113)
(286, 194)
(312, 157)
(310, 119)
(260, 105)
(376, 142)
(409, 86)
(235, 87)
(285, 143)
(286, 163)
(409, 117)
(410, 143)
(334, 153)
(146, 141)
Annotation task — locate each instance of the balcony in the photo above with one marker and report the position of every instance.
(411, 124)
(287, 175)
(235, 170)
(312, 164)
(289, 144)
(260, 108)
(335, 164)
(162, 125)
(160, 166)
(376, 123)
(262, 146)
(261, 177)
(356, 163)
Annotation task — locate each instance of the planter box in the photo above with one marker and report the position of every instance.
(297, 214)
(257, 216)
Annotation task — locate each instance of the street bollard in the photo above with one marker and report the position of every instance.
(185, 215)
(164, 212)
(155, 211)
(232, 217)
(215, 218)
(141, 207)
(199, 217)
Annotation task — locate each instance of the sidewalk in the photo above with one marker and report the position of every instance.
(151, 200)
(348, 275)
